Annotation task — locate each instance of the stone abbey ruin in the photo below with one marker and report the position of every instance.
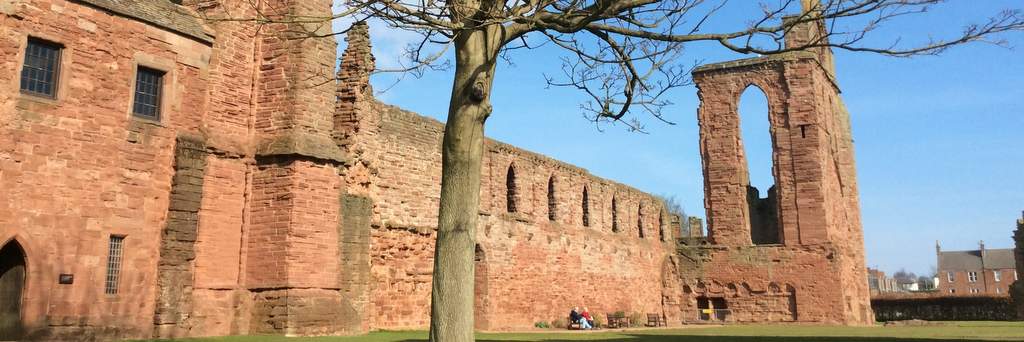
(166, 177)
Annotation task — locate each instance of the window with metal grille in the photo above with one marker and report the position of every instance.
(114, 264)
(42, 66)
(972, 277)
(148, 83)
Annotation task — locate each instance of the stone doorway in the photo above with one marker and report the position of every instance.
(12, 285)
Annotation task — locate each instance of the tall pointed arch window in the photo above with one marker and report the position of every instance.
(510, 189)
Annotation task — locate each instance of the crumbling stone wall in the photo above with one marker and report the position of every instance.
(535, 266)
(532, 268)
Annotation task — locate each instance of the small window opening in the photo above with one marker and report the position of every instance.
(586, 208)
(41, 70)
(510, 190)
(615, 216)
(661, 225)
(551, 199)
(114, 257)
(640, 221)
(148, 87)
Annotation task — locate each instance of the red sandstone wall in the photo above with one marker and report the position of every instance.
(78, 169)
(535, 269)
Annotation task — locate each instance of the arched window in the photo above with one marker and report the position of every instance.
(615, 216)
(551, 199)
(510, 189)
(756, 137)
(640, 220)
(755, 131)
(586, 208)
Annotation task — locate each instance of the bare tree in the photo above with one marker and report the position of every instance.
(623, 54)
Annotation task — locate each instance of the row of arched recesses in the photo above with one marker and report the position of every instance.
(512, 197)
(771, 303)
(12, 286)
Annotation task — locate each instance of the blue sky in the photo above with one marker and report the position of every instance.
(939, 140)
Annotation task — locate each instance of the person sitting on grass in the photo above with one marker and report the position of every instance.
(587, 322)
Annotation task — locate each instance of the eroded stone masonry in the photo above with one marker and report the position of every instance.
(264, 192)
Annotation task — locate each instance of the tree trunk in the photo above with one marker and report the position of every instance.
(451, 311)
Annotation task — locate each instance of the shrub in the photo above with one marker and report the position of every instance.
(635, 319)
(598, 321)
(559, 323)
(542, 325)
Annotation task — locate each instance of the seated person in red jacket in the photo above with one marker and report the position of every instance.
(587, 322)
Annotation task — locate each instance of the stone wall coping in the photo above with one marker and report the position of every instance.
(161, 13)
(302, 144)
(746, 62)
(766, 60)
(492, 145)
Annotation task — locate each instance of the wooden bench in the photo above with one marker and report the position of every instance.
(573, 325)
(654, 320)
(617, 321)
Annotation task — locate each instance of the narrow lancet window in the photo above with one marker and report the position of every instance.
(640, 221)
(510, 189)
(586, 208)
(551, 199)
(615, 216)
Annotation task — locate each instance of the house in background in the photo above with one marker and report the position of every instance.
(975, 272)
(879, 282)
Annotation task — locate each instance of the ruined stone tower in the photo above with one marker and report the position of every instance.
(804, 242)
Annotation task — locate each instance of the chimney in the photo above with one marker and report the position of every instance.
(938, 249)
(981, 249)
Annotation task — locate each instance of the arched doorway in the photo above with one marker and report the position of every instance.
(12, 284)
(480, 297)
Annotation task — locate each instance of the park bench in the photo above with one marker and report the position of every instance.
(654, 320)
(573, 325)
(617, 320)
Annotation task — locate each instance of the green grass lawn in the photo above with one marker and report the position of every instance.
(950, 331)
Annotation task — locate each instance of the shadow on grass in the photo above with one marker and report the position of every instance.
(702, 338)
